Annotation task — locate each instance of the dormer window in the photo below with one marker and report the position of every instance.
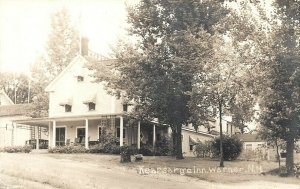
(92, 106)
(80, 78)
(68, 108)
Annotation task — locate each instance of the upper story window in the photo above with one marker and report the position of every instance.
(80, 78)
(68, 108)
(92, 106)
(125, 107)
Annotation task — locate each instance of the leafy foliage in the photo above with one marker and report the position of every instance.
(68, 149)
(125, 154)
(164, 147)
(279, 74)
(11, 83)
(232, 147)
(156, 72)
(108, 143)
(62, 47)
(203, 149)
(17, 149)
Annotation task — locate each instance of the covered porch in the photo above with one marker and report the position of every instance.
(87, 130)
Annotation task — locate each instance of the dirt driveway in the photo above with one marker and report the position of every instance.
(96, 171)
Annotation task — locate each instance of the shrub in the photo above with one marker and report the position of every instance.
(126, 153)
(17, 149)
(146, 150)
(108, 143)
(163, 147)
(203, 149)
(68, 149)
(257, 154)
(232, 147)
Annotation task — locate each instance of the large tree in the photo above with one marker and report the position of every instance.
(225, 82)
(174, 41)
(62, 46)
(280, 75)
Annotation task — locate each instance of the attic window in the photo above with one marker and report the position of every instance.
(68, 108)
(92, 106)
(80, 78)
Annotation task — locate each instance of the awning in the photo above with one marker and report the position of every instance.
(192, 141)
(90, 99)
(67, 101)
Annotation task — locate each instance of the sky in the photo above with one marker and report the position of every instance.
(25, 25)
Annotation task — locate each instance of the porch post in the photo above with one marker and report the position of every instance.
(14, 134)
(139, 136)
(121, 131)
(37, 139)
(154, 136)
(49, 137)
(54, 134)
(86, 133)
(169, 131)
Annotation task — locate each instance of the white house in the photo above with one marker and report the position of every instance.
(79, 109)
(10, 134)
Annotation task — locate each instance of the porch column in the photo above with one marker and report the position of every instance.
(121, 131)
(54, 134)
(139, 136)
(169, 131)
(86, 133)
(154, 136)
(37, 146)
(14, 134)
(49, 137)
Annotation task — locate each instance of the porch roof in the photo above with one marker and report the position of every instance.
(44, 122)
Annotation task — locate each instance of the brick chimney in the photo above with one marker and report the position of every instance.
(84, 46)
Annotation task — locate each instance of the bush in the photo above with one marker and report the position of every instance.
(126, 153)
(17, 149)
(68, 149)
(163, 147)
(108, 143)
(203, 149)
(146, 150)
(256, 155)
(232, 147)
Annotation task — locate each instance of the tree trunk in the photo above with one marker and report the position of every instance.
(178, 143)
(290, 155)
(221, 136)
(174, 141)
(277, 152)
(290, 145)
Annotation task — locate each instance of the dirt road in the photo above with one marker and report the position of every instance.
(96, 171)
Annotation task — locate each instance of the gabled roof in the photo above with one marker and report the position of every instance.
(15, 110)
(6, 96)
(249, 138)
(76, 60)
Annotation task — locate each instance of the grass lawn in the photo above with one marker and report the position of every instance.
(207, 169)
(203, 169)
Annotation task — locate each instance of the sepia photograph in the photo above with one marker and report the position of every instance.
(171, 94)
